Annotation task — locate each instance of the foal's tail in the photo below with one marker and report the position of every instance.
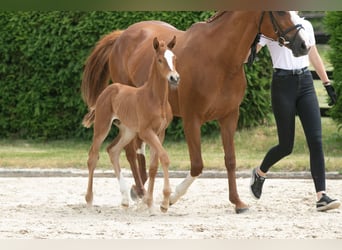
(96, 72)
(89, 118)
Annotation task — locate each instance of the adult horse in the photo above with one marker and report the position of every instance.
(210, 58)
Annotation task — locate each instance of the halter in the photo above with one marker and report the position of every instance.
(282, 35)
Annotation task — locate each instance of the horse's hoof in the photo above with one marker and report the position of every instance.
(134, 194)
(163, 209)
(241, 210)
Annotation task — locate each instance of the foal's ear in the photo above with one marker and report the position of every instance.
(172, 43)
(155, 43)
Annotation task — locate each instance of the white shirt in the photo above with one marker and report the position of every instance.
(282, 57)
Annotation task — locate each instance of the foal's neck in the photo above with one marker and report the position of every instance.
(157, 84)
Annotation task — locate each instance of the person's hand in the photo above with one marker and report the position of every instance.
(332, 94)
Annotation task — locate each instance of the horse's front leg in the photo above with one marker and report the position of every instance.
(192, 131)
(228, 127)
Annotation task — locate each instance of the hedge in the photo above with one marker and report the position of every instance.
(333, 21)
(42, 55)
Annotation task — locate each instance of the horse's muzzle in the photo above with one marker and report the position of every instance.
(299, 45)
(300, 48)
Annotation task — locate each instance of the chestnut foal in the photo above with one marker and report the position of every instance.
(144, 112)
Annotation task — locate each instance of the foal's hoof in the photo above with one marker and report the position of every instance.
(124, 205)
(89, 199)
(241, 210)
(163, 209)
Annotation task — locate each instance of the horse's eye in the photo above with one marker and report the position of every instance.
(281, 13)
(160, 60)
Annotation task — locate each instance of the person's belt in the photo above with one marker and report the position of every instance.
(286, 72)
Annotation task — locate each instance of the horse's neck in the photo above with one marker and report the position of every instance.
(156, 85)
(230, 35)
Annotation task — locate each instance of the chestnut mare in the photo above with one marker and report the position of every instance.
(210, 58)
(143, 112)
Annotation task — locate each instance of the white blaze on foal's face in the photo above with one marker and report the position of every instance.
(169, 58)
(173, 76)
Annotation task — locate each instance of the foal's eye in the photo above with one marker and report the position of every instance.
(160, 60)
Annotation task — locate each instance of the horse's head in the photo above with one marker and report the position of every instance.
(285, 27)
(166, 59)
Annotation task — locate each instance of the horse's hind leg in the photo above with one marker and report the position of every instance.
(141, 160)
(228, 127)
(125, 136)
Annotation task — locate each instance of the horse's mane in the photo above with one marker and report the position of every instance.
(217, 15)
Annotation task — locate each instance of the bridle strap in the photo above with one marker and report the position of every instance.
(253, 53)
(282, 38)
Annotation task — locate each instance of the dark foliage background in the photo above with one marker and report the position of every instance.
(42, 55)
(333, 23)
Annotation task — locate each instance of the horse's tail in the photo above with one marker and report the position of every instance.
(89, 118)
(96, 72)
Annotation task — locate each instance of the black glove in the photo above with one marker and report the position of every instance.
(331, 92)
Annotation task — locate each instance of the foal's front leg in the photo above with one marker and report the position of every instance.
(135, 155)
(114, 149)
(157, 153)
(148, 197)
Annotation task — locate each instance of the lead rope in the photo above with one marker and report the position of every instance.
(253, 53)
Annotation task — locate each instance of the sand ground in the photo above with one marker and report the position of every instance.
(54, 208)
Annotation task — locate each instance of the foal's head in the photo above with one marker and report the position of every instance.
(166, 60)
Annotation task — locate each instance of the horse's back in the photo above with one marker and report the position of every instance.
(132, 54)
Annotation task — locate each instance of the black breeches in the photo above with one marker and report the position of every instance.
(293, 94)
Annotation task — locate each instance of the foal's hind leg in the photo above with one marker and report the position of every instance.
(92, 160)
(125, 136)
(101, 130)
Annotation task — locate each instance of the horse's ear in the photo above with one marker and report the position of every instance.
(155, 43)
(172, 43)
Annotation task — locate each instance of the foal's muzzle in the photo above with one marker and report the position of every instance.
(173, 78)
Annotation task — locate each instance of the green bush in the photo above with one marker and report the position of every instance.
(42, 55)
(333, 21)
